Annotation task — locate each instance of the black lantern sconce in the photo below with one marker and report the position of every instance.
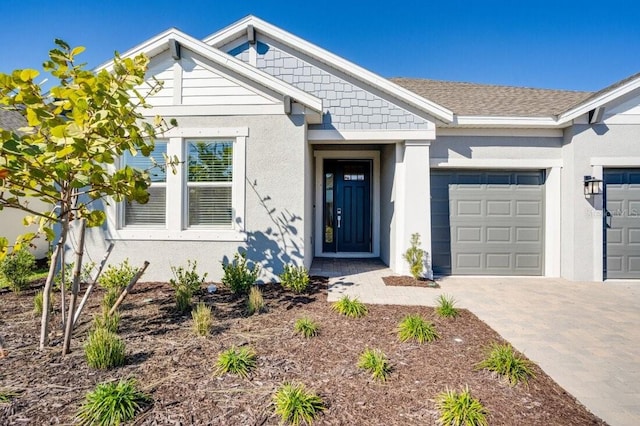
(592, 186)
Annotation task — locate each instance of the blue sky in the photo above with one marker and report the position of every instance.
(576, 45)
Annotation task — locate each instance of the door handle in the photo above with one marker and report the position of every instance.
(339, 215)
(339, 219)
(608, 218)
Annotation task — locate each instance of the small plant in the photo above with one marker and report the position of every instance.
(110, 298)
(16, 269)
(85, 275)
(112, 403)
(460, 409)
(502, 360)
(7, 395)
(201, 319)
(415, 256)
(117, 276)
(237, 275)
(186, 281)
(375, 361)
(306, 327)
(104, 349)
(446, 306)
(255, 301)
(350, 307)
(37, 302)
(294, 404)
(106, 321)
(414, 327)
(238, 361)
(295, 278)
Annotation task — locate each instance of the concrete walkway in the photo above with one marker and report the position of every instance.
(586, 336)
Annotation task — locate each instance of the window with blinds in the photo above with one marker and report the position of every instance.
(209, 183)
(153, 213)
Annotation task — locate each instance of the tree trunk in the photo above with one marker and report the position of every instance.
(87, 293)
(63, 291)
(75, 288)
(126, 291)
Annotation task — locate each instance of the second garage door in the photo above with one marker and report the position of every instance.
(487, 222)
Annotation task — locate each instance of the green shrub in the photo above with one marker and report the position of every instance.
(502, 360)
(110, 298)
(38, 302)
(16, 269)
(294, 404)
(106, 321)
(375, 361)
(186, 281)
(237, 275)
(306, 327)
(295, 278)
(201, 319)
(117, 276)
(238, 361)
(446, 306)
(112, 403)
(414, 327)
(104, 349)
(350, 307)
(415, 256)
(85, 275)
(255, 301)
(460, 409)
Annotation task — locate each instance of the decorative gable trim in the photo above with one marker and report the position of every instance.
(239, 29)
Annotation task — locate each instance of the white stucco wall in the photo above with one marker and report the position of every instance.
(11, 226)
(275, 215)
(388, 210)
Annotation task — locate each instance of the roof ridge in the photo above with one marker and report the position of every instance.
(488, 85)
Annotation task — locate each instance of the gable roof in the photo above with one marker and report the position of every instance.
(236, 30)
(160, 43)
(491, 100)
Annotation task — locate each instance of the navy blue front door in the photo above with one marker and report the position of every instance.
(347, 208)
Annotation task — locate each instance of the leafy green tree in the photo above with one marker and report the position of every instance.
(67, 155)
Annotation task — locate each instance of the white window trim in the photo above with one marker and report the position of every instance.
(175, 228)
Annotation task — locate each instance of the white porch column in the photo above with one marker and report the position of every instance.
(413, 201)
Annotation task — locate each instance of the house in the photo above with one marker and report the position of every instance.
(291, 152)
(11, 220)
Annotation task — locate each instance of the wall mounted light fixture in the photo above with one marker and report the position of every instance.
(592, 186)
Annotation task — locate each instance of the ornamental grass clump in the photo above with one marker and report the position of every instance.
(353, 308)
(104, 350)
(460, 409)
(201, 319)
(446, 306)
(255, 301)
(16, 269)
(238, 276)
(239, 361)
(7, 395)
(37, 302)
(306, 327)
(295, 278)
(109, 299)
(414, 327)
(106, 321)
(503, 360)
(112, 404)
(375, 362)
(186, 282)
(295, 405)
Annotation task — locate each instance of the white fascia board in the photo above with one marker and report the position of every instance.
(488, 121)
(496, 163)
(501, 131)
(159, 43)
(603, 99)
(316, 136)
(233, 31)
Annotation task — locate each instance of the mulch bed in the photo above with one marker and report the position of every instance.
(407, 281)
(177, 368)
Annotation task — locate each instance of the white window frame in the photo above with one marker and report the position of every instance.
(176, 184)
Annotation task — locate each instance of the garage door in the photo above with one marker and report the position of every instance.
(622, 224)
(487, 222)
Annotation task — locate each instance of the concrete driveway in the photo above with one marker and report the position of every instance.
(586, 336)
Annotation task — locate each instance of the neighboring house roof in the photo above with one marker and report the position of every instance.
(491, 100)
(233, 31)
(11, 120)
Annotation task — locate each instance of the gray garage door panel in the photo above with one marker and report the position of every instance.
(488, 222)
(622, 226)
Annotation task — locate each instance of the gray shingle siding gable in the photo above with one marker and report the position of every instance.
(346, 106)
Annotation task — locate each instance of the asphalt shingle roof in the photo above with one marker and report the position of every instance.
(496, 101)
(11, 120)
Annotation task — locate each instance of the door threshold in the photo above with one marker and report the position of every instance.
(349, 255)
